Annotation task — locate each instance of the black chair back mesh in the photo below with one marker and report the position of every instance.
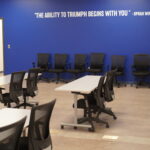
(60, 61)
(15, 88)
(39, 134)
(96, 60)
(141, 62)
(32, 82)
(108, 86)
(80, 61)
(9, 135)
(98, 93)
(43, 60)
(117, 62)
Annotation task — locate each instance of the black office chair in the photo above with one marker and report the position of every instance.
(15, 90)
(39, 137)
(93, 103)
(96, 63)
(141, 67)
(31, 89)
(10, 135)
(118, 64)
(109, 92)
(60, 63)
(42, 62)
(79, 65)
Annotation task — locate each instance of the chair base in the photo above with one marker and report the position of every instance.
(97, 120)
(26, 104)
(109, 112)
(140, 79)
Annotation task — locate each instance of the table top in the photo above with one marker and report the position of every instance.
(11, 115)
(84, 85)
(6, 79)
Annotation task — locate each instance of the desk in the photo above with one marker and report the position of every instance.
(11, 115)
(84, 85)
(6, 79)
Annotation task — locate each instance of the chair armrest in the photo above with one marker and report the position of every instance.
(1, 90)
(1, 96)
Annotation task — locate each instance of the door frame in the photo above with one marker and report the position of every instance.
(3, 44)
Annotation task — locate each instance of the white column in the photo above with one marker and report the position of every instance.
(1, 46)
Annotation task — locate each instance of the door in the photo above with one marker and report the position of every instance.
(1, 46)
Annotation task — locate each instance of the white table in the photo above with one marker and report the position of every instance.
(84, 85)
(6, 79)
(11, 115)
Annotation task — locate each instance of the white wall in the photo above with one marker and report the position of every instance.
(1, 46)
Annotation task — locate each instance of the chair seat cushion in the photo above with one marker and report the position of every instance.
(80, 104)
(26, 93)
(7, 99)
(94, 70)
(118, 73)
(23, 143)
(56, 70)
(6, 95)
(40, 70)
(75, 71)
(146, 73)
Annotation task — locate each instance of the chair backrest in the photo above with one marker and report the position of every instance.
(99, 93)
(60, 61)
(43, 60)
(32, 82)
(141, 61)
(39, 134)
(108, 86)
(9, 135)
(80, 61)
(15, 87)
(97, 60)
(117, 62)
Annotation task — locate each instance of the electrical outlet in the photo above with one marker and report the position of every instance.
(9, 46)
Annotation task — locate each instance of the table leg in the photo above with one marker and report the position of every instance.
(76, 124)
(75, 109)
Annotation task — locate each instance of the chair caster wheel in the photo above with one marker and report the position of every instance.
(75, 128)
(91, 129)
(62, 127)
(107, 125)
(115, 117)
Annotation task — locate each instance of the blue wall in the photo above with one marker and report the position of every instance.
(28, 35)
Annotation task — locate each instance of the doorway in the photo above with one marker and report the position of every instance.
(1, 46)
